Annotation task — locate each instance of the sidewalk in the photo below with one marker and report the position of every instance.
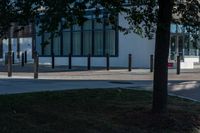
(187, 84)
(10, 86)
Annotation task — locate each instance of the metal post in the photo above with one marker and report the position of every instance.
(70, 61)
(89, 62)
(36, 65)
(178, 65)
(9, 64)
(130, 62)
(107, 62)
(151, 63)
(25, 57)
(53, 61)
(22, 60)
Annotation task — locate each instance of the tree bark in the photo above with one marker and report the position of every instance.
(10, 53)
(160, 89)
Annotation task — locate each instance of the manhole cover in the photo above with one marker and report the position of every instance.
(120, 82)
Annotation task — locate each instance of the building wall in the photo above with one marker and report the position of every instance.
(140, 48)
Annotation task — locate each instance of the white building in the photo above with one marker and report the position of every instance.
(99, 39)
(96, 39)
(21, 42)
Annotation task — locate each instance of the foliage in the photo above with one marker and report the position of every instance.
(140, 15)
(7, 15)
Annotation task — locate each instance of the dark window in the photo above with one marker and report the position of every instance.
(94, 37)
(66, 43)
(76, 40)
(87, 37)
(46, 45)
(56, 45)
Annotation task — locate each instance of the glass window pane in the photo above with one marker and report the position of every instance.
(68, 29)
(56, 45)
(107, 24)
(47, 44)
(66, 43)
(180, 46)
(173, 28)
(5, 47)
(187, 44)
(76, 43)
(87, 42)
(180, 29)
(98, 43)
(14, 44)
(87, 25)
(76, 27)
(98, 25)
(38, 45)
(173, 47)
(110, 42)
(66, 25)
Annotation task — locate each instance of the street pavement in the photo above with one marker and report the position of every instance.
(187, 84)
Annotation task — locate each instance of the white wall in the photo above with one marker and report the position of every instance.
(189, 62)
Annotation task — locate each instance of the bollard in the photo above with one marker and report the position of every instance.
(129, 62)
(178, 65)
(22, 63)
(151, 63)
(36, 66)
(9, 64)
(53, 61)
(13, 58)
(70, 61)
(25, 57)
(107, 62)
(89, 62)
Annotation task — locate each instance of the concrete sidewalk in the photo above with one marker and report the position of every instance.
(189, 89)
(11, 86)
(187, 84)
(81, 73)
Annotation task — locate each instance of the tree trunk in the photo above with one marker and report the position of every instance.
(160, 91)
(10, 53)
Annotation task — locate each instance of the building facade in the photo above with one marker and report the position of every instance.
(96, 39)
(100, 39)
(21, 42)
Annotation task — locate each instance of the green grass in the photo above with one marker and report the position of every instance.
(95, 111)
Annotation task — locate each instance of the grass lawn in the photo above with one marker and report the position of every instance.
(95, 111)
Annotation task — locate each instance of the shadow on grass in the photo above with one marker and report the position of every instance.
(94, 111)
